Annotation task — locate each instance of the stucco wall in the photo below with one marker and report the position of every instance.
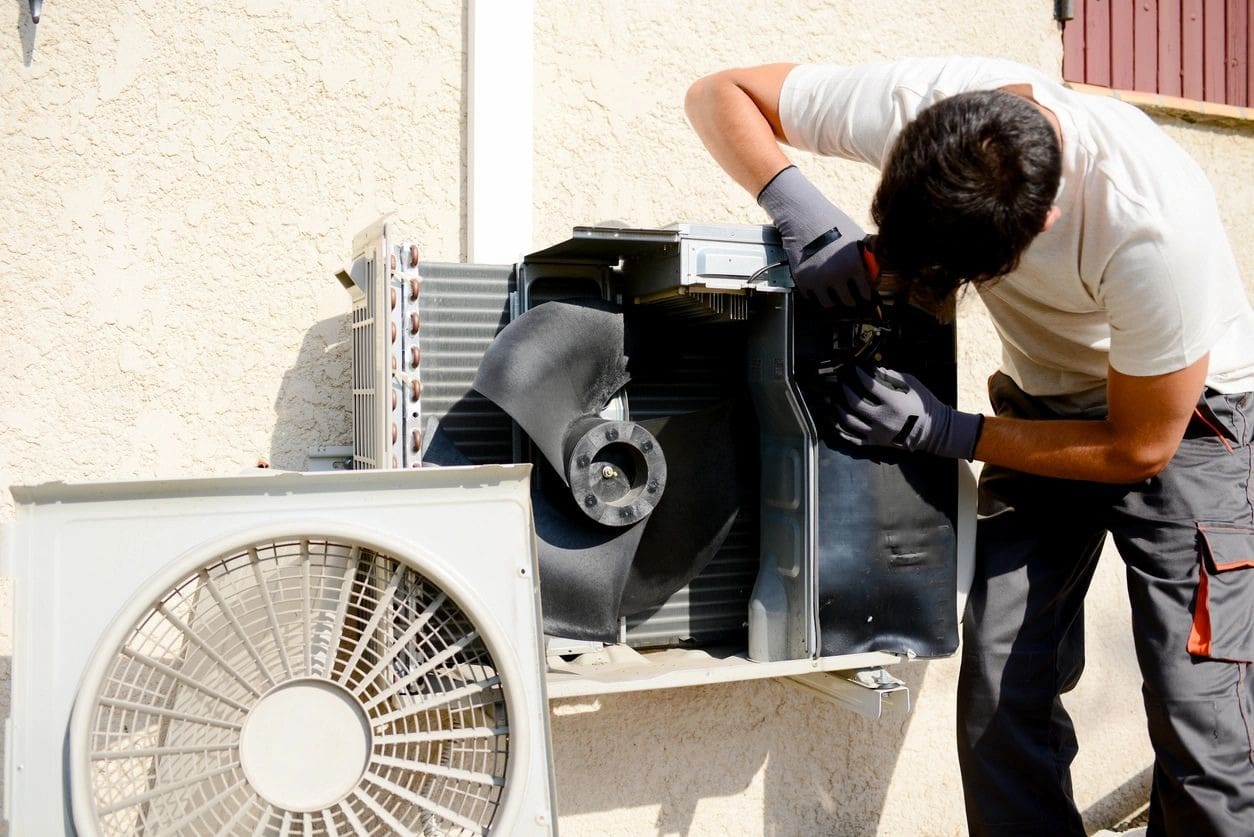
(177, 183)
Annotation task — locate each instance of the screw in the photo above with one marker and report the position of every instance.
(589, 500)
(608, 473)
(611, 435)
(626, 512)
(652, 486)
(647, 447)
(583, 461)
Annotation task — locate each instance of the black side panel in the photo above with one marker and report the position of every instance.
(887, 552)
(886, 569)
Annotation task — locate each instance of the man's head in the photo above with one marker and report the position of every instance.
(968, 185)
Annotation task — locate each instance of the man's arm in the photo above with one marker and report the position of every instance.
(1146, 419)
(736, 115)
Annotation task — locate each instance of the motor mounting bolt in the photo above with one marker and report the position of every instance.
(647, 447)
(611, 435)
(589, 500)
(583, 461)
(652, 486)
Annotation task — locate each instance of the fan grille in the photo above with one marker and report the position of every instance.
(170, 712)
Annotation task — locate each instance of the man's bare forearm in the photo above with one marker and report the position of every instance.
(1071, 449)
(1147, 418)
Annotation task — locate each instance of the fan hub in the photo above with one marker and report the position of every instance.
(305, 744)
(616, 470)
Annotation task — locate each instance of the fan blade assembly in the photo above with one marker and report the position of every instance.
(552, 370)
(626, 512)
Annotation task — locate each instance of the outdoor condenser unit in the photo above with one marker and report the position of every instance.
(317, 654)
(685, 490)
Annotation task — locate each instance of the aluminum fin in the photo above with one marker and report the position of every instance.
(693, 518)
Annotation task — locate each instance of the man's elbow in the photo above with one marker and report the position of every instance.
(700, 93)
(1136, 462)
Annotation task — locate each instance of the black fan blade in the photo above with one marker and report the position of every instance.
(552, 370)
(691, 521)
(583, 566)
(553, 365)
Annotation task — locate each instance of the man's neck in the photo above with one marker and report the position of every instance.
(1025, 91)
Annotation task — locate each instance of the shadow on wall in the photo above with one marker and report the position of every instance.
(314, 403)
(825, 769)
(1116, 806)
(26, 29)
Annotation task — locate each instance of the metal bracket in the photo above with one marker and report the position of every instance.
(330, 458)
(867, 691)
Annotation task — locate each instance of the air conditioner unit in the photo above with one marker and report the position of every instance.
(320, 654)
(748, 532)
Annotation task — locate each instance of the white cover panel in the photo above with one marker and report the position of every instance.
(82, 554)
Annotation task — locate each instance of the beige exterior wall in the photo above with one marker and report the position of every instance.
(177, 182)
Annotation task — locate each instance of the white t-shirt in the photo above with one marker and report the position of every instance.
(1137, 272)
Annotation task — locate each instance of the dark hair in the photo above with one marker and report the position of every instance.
(966, 188)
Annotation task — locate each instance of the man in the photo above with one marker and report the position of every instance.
(1123, 403)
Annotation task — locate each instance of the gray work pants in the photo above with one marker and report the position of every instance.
(1186, 537)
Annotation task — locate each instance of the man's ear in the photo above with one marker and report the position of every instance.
(1050, 217)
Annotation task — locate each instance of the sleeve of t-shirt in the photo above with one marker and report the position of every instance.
(1162, 318)
(850, 112)
(857, 112)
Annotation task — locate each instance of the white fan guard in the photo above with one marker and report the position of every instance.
(307, 685)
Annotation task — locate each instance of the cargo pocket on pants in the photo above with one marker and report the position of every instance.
(1223, 615)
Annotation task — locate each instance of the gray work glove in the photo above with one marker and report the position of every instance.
(821, 242)
(889, 409)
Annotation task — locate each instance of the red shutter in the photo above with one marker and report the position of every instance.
(1198, 49)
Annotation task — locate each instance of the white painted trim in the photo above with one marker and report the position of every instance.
(499, 130)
